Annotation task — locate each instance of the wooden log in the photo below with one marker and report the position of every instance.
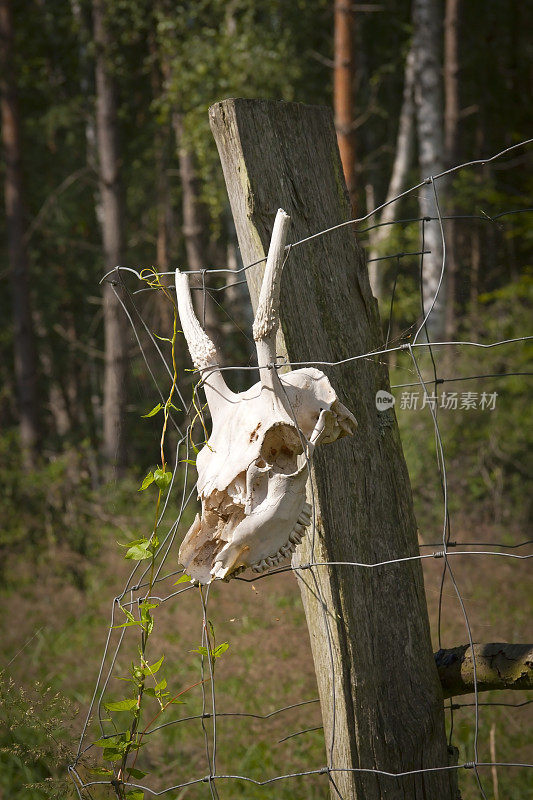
(380, 694)
(498, 666)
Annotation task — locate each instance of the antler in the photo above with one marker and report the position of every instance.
(266, 321)
(203, 351)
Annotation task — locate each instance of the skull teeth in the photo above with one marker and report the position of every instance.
(286, 550)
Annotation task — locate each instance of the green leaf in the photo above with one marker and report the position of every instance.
(121, 705)
(184, 578)
(107, 741)
(136, 794)
(162, 478)
(217, 652)
(140, 550)
(111, 754)
(147, 622)
(171, 405)
(147, 481)
(153, 412)
(161, 685)
(202, 651)
(149, 691)
(151, 670)
(136, 773)
(188, 461)
(126, 625)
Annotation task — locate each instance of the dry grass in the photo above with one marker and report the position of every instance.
(267, 666)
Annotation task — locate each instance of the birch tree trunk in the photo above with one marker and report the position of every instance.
(343, 92)
(111, 213)
(23, 330)
(402, 162)
(375, 718)
(429, 117)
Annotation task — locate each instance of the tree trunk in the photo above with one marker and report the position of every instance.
(162, 187)
(195, 231)
(23, 331)
(112, 223)
(343, 92)
(375, 718)
(451, 139)
(428, 103)
(400, 168)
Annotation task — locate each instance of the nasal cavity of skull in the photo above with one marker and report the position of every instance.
(280, 448)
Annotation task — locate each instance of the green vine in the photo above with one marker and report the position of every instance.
(143, 676)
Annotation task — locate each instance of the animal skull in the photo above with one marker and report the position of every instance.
(253, 470)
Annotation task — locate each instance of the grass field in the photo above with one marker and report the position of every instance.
(57, 595)
(267, 666)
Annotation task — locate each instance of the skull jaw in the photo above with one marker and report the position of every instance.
(218, 548)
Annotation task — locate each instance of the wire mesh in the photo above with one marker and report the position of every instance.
(446, 549)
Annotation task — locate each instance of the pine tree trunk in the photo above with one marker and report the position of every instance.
(162, 188)
(343, 92)
(112, 224)
(23, 330)
(429, 114)
(195, 230)
(451, 138)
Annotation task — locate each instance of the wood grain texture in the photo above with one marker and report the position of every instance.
(380, 694)
(499, 665)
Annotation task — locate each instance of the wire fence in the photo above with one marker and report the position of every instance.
(139, 581)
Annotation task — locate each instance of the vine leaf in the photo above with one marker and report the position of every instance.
(121, 705)
(162, 478)
(183, 579)
(147, 481)
(155, 410)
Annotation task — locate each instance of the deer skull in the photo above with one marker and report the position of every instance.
(252, 472)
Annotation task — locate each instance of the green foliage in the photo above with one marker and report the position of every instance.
(35, 740)
(50, 509)
(212, 50)
(488, 453)
(140, 549)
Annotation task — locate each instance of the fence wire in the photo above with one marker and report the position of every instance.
(134, 591)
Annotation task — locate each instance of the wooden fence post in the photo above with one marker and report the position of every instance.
(379, 689)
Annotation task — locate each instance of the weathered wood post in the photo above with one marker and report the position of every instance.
(379, 690)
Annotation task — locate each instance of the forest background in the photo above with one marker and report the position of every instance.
(108, 159)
